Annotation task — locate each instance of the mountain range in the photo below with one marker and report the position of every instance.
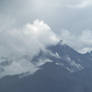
(61, 69)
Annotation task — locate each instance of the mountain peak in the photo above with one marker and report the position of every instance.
(61, 42)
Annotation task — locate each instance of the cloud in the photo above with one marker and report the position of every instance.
(62, 3)
(20, 67)
(6, 22)
(81, 42)
(15, 44)
(42, 32)
(81, 4)
(85, 50)
(86, 37)
(28, 40)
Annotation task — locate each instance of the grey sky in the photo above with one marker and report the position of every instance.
(68, 14)
(72, 15)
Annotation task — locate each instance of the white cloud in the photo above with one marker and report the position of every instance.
(42, 5)
(42, 32)
(86, 37)
(81, 4)
(81, 42)
(85, 50)
(20, 67)
(15, 44)
(29, 40)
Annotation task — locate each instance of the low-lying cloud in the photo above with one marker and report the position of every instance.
(81, 42)
(27, 41)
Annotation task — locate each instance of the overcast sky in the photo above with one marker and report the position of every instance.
(74, 16)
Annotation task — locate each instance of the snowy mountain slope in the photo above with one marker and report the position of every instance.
(58, 69)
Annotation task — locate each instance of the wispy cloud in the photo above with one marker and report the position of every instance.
(81, 42)
(82, 4)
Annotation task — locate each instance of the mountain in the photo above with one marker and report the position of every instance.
(62, 69)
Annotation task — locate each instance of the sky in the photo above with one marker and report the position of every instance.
(73, 16)
(28, 26)
(69, 14)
